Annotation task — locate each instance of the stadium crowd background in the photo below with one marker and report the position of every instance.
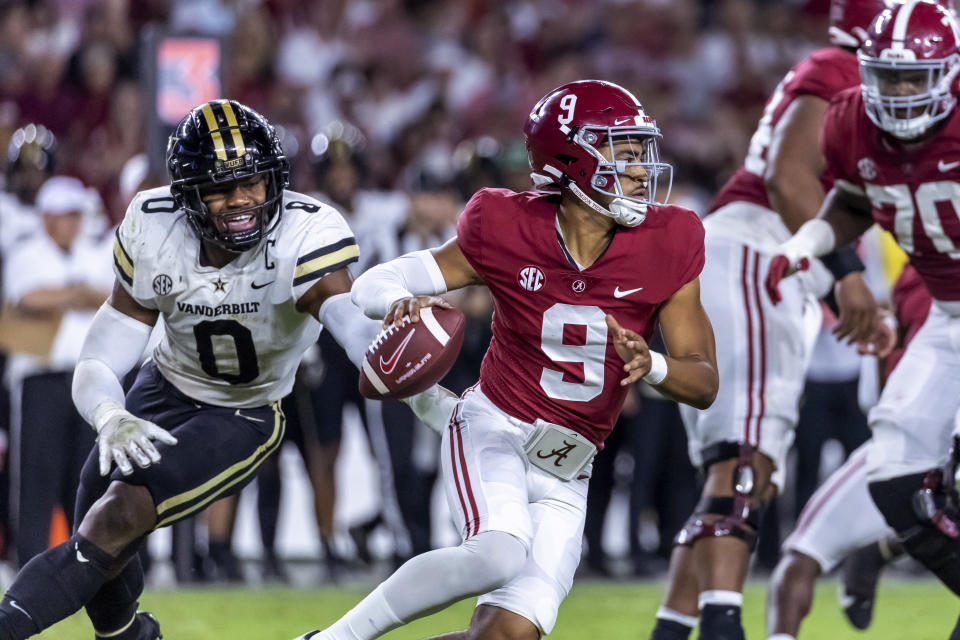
(396, 112)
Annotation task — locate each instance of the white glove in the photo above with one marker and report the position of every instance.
(434, 406)
(123, 435)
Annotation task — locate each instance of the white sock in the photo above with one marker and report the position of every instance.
(666, 613)
(723, 598)
(432, 581)
(781, 636)
(371, 618)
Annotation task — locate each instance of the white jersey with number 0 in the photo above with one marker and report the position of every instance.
(232, 336)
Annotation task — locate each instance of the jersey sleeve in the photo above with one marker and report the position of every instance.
(695, 256)
(470, 231)
(825, 73)
(129, 246)
(327, 245)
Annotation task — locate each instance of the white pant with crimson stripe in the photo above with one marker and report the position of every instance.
(762, 351)
(840, 516)
(491, 486)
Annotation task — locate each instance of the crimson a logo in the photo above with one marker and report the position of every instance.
(531, 278)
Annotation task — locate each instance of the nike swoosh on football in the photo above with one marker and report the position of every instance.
(261, 286)
(251, 418)
(388, 366)
(947, 166)
(617, 293)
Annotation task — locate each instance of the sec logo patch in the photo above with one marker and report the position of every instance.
(162, 284)
(531, 278)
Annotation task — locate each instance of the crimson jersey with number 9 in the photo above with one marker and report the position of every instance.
(551, 356)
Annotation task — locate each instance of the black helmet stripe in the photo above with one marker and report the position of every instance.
(238, 146)
(211, 120)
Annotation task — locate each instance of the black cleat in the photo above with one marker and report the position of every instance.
(149, 627)
(144, 627)
(858, 585)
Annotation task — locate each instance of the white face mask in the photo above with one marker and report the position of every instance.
(643, 151)
(906, 98)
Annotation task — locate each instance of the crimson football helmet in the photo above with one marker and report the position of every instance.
(908, 66)
(566, 131)
(849, 20)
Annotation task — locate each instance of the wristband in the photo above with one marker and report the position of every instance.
(658, 368)
(842, 262)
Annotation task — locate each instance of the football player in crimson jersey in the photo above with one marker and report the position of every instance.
(742, 440)
(893, 146)
(240, 269)
(581, 273)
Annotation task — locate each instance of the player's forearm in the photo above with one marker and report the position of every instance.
(412, 274)
(113, 346)
(692, 380)
(796, 197)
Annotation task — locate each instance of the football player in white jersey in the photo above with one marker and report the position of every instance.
(240, 270)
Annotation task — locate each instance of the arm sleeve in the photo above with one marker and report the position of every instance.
(349, 327)
(114, 345)
(411, 274)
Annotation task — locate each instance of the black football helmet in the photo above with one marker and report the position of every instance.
(31, 159)
(219, 142)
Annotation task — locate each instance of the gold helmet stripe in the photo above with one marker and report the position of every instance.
(238, 145)
(214, 133)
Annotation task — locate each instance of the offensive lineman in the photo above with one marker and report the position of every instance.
(742, 440)
(893, 146)
(580, 276)
(240, 270)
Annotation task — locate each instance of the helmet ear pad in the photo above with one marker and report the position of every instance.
(222, 142)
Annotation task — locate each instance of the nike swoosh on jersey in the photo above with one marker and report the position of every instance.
(947, 166)
(388, 366)
(246, 417)
(617, 293)
(261, 286)
(80, 557)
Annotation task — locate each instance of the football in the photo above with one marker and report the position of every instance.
(408, 359)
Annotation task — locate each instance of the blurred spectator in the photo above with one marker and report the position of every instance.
(31, 159)
(54, 283)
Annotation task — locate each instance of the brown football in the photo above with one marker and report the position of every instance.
(406, 360)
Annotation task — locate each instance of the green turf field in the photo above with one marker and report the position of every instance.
(907, 610)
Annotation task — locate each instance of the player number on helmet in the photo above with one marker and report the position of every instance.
(568, 104)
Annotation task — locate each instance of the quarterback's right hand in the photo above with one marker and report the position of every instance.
(411, 306)
(780, 267)
(123, 435)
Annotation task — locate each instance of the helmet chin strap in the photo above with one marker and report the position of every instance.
(623, 211)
